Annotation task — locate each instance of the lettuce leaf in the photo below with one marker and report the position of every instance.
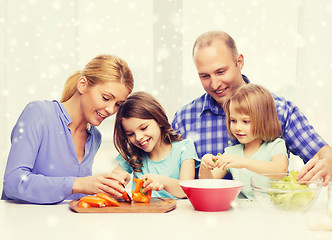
(291, 201)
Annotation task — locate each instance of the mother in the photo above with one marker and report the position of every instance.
(54, 143)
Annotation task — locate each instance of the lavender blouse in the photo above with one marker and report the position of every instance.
(42, 164)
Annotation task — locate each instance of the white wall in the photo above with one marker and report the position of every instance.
(287, 47)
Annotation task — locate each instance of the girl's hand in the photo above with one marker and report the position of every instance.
(230, 161)
(102, 183)
(152, 182)
(209, 161)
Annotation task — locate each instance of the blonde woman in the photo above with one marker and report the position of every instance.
(54, 142)
(252, 120)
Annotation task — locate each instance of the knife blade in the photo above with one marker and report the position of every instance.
(126, 193)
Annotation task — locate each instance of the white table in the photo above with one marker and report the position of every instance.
(245, 220)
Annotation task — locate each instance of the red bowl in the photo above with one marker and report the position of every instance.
(211, 195)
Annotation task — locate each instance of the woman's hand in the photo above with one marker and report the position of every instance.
(153, 182)
(102, 183)
(121, 176)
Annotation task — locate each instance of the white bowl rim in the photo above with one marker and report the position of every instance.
(211, 183)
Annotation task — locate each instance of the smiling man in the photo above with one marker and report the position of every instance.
(219, 67)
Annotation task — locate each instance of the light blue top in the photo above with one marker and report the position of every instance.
(265, 153)
(42, 164)
(170, 166)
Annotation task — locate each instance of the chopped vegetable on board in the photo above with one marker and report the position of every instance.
(100, 200)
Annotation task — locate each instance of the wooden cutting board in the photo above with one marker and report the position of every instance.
(156, 205)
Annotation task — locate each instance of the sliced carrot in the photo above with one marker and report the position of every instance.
(110, 201)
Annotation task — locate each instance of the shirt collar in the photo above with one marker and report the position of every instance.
(210, 104)
(65, 115)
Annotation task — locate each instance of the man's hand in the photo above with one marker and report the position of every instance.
(315, 169)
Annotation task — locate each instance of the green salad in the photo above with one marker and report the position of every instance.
(291, 201)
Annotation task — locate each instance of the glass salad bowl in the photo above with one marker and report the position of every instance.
(282, 191)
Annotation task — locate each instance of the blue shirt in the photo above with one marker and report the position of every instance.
(204, 121)
(170, 166)
(42, 164)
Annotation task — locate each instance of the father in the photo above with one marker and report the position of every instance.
(203, 120)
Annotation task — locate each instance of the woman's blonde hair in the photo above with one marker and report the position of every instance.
(100, 69)
(256, 102)
(140, 105)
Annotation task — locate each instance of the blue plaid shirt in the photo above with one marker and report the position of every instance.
(204, 121)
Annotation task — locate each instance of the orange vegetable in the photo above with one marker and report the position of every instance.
(138, 194)
(100, 200)
(125, 195)
(83, 204)
(110, 201)
(92, 201)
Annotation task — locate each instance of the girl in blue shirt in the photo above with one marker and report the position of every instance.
(54, 143)
(150, 149)
(252, 120)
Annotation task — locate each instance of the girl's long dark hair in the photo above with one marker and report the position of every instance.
(140, 105)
